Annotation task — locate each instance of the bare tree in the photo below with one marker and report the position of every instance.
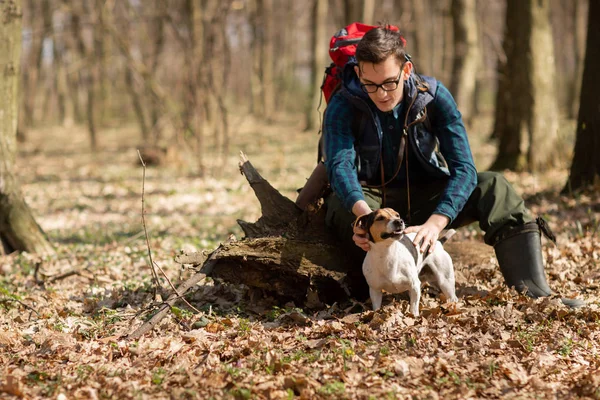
(466, 55)
(529, 85)
(135, 92)
(579, 22)
(423, 53)
(88, 71)
(18, 229)
(353, 11)
(38, 27)
(319, 59)
(157, 32)
(263, 58)
(585, 169)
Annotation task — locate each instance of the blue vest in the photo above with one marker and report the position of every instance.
(422, 142)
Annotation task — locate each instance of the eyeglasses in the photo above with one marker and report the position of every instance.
(388, 86)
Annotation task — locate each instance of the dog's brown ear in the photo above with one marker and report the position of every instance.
(362, 222)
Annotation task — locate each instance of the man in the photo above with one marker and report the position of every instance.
(394, 138)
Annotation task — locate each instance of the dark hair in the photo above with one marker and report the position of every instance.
(380, 43)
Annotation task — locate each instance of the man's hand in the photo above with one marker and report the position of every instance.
(360, 238)
(360, 235)
(428, 233)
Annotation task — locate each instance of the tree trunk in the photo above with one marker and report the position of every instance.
(579, 16)
(101, 63)
(18, 229)
(506, 122)
(586, 162)
(353, 11)
(158, 42)
(423, 54)
(368, 12)
(88, 71)
(542, 118)
(256, 89)
(288, 252)
(530, 87)
(466, 56)
(32, 67)
(137, 104)
(267, 59)
(60, 74)
(319, 60)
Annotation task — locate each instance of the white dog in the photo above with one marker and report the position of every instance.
(394, 264)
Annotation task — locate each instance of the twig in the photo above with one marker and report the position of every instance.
(35, 275)
(64, 275)
(27, 306)
(154, 273)
(175, 289)
(181, 290)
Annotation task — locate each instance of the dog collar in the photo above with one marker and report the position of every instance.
(411, 247)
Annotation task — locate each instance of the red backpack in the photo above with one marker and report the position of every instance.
(342, 46)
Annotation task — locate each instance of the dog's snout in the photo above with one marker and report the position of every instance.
(399, 224)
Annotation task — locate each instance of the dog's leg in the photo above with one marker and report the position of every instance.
(444, 276)
(376, 298)
(415, 297)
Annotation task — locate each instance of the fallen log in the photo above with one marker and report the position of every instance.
(287, 252)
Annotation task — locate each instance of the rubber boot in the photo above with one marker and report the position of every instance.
(519, 254)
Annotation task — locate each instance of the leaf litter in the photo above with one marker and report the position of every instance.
(493, 343)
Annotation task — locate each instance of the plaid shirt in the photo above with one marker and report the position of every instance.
(447, 126)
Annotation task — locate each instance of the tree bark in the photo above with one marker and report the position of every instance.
(265, 9)
(18, 229)
(158, 44)
(353, 11)
(542, 118)
(466, 56)
(530, 88)
(423, 53)
(585, 168)
(288, 252)
(31, 70)
(60, 74)
(580, 23)
(318, 64)
(88, 71)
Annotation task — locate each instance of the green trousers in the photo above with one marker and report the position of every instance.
(494, 204)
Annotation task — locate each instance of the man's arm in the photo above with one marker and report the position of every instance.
(448, 126)
(340, 153)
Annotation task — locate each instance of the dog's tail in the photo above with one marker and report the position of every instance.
(447, 235)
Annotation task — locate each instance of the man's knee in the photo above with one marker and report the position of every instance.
(495, 181)
(500, 205)
(337, 217)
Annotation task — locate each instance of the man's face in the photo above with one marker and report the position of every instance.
(385, 73)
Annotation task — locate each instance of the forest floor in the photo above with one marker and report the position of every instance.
(60, 334)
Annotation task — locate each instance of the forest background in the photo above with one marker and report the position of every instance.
(190, 83)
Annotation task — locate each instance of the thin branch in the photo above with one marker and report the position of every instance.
(154, 273)
(27, 306)
(64, 275)
(175, 289)
(153, 264)
(181, 290)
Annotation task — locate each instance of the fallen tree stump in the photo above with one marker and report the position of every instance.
(288, 252)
